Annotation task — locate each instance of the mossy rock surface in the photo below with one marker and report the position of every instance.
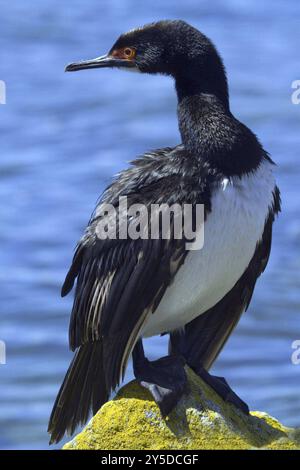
(201, 420)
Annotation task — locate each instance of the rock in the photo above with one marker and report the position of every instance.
(201, 420)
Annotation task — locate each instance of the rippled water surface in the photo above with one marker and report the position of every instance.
(62, 138)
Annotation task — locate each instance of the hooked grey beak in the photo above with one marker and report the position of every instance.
(103, 61)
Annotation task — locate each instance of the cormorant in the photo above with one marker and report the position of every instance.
(127, 289)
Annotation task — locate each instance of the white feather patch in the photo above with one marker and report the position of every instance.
(235, 224)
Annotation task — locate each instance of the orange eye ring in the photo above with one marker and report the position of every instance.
(129, 52)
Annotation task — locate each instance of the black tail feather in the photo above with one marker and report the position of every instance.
(83, 390)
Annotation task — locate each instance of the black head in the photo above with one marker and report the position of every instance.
(168, 47)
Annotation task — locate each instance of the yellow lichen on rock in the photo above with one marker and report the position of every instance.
(201, 420)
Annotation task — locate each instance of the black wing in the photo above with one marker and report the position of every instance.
(119, 283)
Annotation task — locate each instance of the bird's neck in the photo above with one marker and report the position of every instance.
(212, 135)
(202, 100)
(201, 120)
(194, 81)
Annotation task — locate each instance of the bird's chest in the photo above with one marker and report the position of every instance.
(231, 232)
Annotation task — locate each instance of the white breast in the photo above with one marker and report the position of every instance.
(232, 229)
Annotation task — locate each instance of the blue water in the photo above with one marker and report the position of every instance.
(62, 138)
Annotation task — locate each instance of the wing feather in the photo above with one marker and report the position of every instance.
(121, 282)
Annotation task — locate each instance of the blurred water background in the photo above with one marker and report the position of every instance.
(62, 138)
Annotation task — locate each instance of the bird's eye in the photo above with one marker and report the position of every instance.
(129, 52)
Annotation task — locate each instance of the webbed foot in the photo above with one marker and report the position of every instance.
(165, 378)
(221, 387)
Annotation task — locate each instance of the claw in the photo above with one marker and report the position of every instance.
(222, 380)
(165, 398)
(238, 402)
